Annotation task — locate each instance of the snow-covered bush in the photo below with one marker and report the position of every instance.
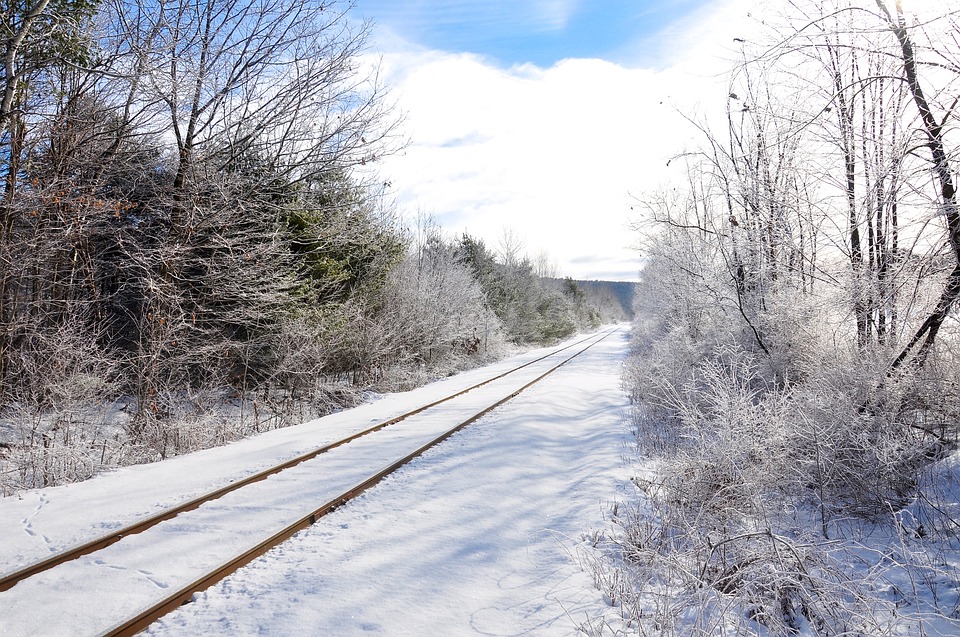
(431, 317)
(795, 370)
(761, 475)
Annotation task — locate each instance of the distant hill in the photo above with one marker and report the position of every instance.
(621, 290)
(604, 294)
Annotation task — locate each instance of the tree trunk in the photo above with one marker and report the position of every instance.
(948, 203)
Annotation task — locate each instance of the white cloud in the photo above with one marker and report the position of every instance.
(555, 14)
(552, 154)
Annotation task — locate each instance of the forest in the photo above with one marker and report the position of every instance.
(195, 245)
(795, 369)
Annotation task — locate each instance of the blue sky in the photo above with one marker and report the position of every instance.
(541, 32)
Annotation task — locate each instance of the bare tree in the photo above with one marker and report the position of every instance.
(933, 128)
(180, 177)
(265, 103)
(811, 240)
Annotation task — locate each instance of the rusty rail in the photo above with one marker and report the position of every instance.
(185, 594)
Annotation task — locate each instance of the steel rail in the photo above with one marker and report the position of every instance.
(9, 580)
(185, 594)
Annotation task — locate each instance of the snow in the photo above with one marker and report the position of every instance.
(480, 535)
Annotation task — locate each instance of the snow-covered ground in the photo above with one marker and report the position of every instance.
(478, 536)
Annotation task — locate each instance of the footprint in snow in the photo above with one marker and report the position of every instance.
(150, 578)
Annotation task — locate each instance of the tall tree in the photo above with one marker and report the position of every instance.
(933, 129)
(36, 39)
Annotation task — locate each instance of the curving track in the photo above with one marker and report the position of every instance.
(208, 536)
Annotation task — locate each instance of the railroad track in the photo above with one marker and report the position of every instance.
(293, 481)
